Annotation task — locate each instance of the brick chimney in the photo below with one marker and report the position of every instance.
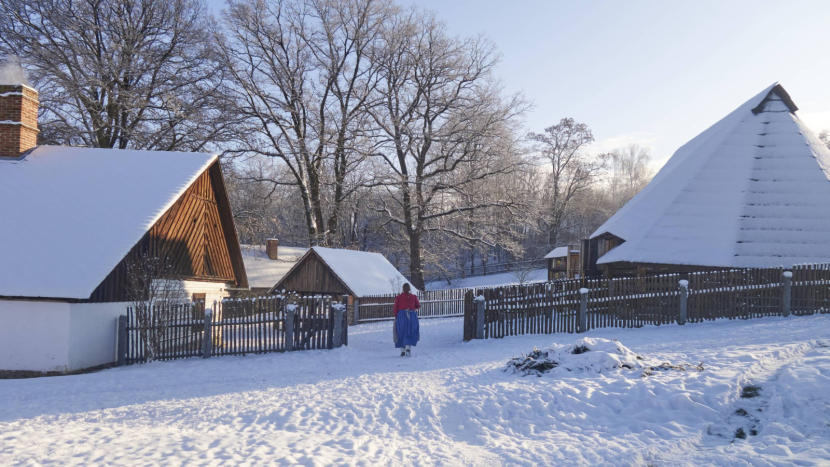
(271, 247)
(18, 119)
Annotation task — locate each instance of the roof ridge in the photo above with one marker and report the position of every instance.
(777, 90)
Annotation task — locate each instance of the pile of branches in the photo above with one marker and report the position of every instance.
(534, 363)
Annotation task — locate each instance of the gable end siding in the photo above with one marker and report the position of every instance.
(193, 233)
(312, 275)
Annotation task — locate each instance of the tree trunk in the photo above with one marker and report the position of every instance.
(319, 237)
(339, 181)
(309, 218)
(553, 235)
(415, 267)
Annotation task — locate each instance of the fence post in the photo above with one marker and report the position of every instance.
(344, 325)
(684, 302)
(356, 310)
(289, 327)
(207, 339)
(583, 310)
(121, 347)
(337, 336)
(480, 307)
(786, 300)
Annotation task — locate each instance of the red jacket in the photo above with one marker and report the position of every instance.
(406, 301)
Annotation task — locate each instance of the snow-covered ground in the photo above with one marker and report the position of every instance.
(450, 404)
(505, 278)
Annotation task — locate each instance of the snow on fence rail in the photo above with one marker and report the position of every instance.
(232, 327)
(577, 306)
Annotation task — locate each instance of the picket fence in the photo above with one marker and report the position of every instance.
(576, 306)
(232, 327)
(434, 304)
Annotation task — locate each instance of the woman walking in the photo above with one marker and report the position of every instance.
(406, 331)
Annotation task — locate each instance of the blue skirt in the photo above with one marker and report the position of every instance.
(407, 331)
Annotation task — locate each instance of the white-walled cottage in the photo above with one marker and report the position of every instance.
(71, 218)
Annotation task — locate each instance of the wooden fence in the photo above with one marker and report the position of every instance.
(232, 327)
(634, 302)
(164, 332)
(746, 293)
(500, 268)
(434, 304)
(811, 289)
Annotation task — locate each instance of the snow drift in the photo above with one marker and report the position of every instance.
(595, 355)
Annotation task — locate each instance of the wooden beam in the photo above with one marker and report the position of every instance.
(228, 226)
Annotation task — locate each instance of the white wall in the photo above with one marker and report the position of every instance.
(214, 291)
(59, 336)
(92, 333)
(34, 335)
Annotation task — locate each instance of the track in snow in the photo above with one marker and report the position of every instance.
(449, 404)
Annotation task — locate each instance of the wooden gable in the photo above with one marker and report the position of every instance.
(197, 233)
(312, 275)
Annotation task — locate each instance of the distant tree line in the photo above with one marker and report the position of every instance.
(343, 123)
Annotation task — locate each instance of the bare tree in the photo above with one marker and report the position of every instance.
(156, 294)
(630, 173)
(824, 136)
(303, 83)
(396, 283)
(120, 73)
(572, 170)
(445, 125)
(523, 271)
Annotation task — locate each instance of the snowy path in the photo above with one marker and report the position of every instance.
(449, 404)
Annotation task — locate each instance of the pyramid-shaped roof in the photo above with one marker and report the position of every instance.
(750, 191)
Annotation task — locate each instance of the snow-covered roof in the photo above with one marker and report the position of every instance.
(264, 272)
(558, 252)
(363, 272)
(70, 215)
(750, 191)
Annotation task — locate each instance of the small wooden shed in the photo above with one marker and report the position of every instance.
(563, 262)
(330, 271)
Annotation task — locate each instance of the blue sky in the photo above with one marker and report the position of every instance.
(652, 72)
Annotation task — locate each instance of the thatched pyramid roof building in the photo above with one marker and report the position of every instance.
(753, 190)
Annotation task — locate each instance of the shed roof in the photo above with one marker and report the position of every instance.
(70, 215)
(363, 272)
(750, 191)
(558, 252)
